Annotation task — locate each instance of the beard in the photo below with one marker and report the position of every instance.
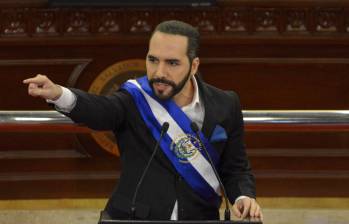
(176, 88)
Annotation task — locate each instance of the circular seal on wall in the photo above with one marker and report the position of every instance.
(108, 81)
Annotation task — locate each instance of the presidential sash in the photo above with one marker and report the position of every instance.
(180, 144)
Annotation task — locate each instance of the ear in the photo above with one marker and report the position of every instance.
(195, 66)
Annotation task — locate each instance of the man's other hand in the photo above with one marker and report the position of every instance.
(247, 208)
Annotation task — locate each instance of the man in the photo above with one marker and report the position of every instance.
(180, 183)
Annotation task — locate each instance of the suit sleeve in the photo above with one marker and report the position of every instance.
(234, 167)
(99, 112)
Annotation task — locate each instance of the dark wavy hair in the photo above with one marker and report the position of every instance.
(184, 29)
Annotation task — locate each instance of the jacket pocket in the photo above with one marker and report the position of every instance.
(219, 146)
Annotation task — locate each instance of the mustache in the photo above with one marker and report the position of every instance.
(162, 80)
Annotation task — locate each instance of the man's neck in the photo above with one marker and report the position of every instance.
(185, 96)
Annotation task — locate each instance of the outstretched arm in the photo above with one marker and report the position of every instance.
(97, 112)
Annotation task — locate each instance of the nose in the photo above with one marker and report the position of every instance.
(161, 70)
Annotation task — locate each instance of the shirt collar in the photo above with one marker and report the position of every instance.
(196, 98)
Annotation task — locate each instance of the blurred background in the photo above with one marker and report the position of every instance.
(277, 55)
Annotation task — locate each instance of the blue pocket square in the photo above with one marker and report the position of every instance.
(218, 134)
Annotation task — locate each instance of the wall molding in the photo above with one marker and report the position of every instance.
(80, 65)
(291, 152)
(54, 176)
(303, 174)
(41, 154)
(223, 20)
(272, 60)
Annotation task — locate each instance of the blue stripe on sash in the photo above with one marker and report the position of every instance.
(192, 177)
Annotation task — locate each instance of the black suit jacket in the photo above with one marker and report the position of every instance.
(162, 185)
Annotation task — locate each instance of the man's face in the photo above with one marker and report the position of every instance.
(168, 67)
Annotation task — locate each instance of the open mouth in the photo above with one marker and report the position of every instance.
(161, 86)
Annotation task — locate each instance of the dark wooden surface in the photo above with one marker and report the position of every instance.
(274, 54)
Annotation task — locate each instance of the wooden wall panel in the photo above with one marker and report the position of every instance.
(65, 71)
(274, 54)
(282, 83)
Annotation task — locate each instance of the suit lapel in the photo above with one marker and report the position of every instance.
(209, 104)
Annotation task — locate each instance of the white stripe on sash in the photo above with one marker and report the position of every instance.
(199, 162)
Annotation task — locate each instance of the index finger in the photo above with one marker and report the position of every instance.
(236, 211)
(38, 79)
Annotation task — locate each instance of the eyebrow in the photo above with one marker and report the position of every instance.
(151, 56)
(172, 60)
(167, 60)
